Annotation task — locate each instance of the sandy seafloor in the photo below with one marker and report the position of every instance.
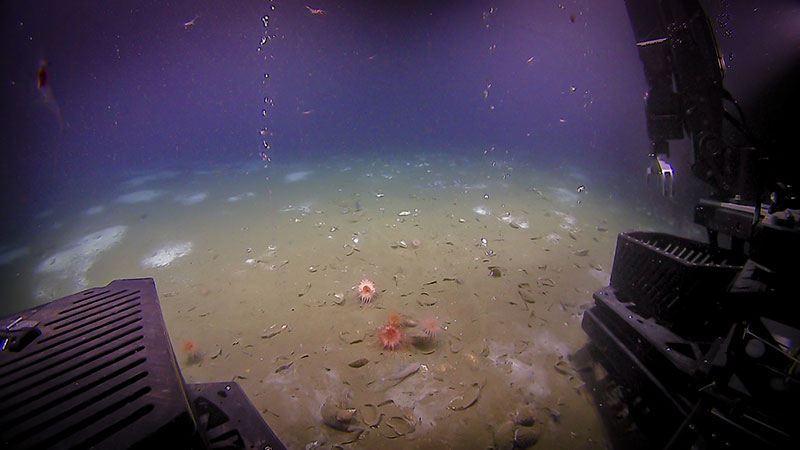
(237, 258)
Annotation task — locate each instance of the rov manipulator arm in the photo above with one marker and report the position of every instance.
(684, 72)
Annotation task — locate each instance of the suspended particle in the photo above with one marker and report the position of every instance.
(265, 21)
(506, 176)
(486, 196)
(264, 112)
(494, 163)
(573, 89)
(581, 188)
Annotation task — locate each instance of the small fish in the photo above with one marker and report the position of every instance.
(46, 95)
(42, 76)
(393, 380)
(315, 12)
(191, 23)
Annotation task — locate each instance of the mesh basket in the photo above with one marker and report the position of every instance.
(669, 278)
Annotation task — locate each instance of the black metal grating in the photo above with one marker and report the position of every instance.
(665, 276)
(102, 374)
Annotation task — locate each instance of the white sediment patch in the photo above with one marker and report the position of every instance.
(143, 179)
(44, 214)
(516, 222)
(138, 197)
(566, 197)
(475, 186)
(601, 275)
(7, 256)
(481, 210)
(68, 267)
(298, 176)
(164, 256)
(95, 210)
(567, 221)
(236, 198)
(302, 207)
(191, 199)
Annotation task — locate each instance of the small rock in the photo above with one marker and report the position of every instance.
(336, 416)
(504, 436)
(526, 437)
(525, 416)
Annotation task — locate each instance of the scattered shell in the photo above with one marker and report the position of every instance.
(351, 338)
(455, 345)
(495, 272)
(404, 213)
(400, 425)
(274, 333)
(427, 300)
(526, 295)
(581, 252)
(462, 220)
(379, 194)
(312, 269)
(542, 281)
(370, 415)
(563, 367)
(284, 367)
(467, 399)
(402, 244)
(337, 298)
(361, 362)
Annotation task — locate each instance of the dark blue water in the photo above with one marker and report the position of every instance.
(258, 159)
